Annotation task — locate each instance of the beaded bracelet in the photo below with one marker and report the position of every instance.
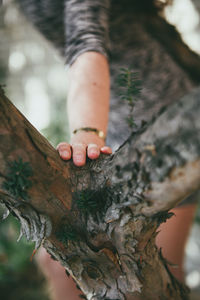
(96, 131)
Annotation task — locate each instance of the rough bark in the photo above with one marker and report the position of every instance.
(100, 220)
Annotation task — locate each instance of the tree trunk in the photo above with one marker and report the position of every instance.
(100, 220)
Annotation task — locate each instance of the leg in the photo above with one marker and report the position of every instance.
(61, 287)
(173, 237)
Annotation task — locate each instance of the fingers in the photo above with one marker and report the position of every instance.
(93, 151)
(106, 150)
(64, 150)
(78, 151)
(79, 154)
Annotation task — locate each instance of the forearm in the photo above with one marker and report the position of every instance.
(88, 92)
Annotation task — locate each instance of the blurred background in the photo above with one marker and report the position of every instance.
(35, 80)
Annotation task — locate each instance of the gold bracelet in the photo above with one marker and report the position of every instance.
(96, 131)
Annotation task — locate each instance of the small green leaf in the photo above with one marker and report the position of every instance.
(129, 89)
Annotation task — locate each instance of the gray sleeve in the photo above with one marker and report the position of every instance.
(86, 27)
(73, 26)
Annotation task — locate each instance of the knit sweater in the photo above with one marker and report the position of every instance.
(119, 28)
(73, 26)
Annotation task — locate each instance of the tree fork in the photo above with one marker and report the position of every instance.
(100, 220)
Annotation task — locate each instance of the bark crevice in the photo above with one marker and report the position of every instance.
(100, 221)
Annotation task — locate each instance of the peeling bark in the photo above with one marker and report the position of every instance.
(100, 220)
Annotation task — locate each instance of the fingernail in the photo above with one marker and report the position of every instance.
(94, 155)
(79, 158)
(94, 152)
(106, 150)
(65, 154)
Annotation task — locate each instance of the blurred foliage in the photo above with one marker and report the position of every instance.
(19, 278)
(30, 69)
(13, 255)
(57, 130)
(36, 82)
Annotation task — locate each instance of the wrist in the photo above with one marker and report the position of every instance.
(93, 130)
(86, 138)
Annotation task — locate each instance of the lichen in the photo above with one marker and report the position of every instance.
(34, 225)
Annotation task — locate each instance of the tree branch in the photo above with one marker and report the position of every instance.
(100, 220)
(164, 156)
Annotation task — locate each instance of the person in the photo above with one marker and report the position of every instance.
(80, 31)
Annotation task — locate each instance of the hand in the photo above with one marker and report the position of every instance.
(82, 144)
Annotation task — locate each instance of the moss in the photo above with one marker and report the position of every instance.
(90, 202)
(162, 217)
(86, 201)
(18, 178)
(66, 233)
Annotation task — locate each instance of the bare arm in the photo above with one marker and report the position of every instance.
(86, 50)
(88, 106)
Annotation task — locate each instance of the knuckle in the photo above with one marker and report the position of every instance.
(92, 146)
(78, 153)
(79, 145)
(62, 146)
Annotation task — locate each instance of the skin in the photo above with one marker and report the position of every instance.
(88, 106)
(173, 235)
(172, 238)
(90, 75)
